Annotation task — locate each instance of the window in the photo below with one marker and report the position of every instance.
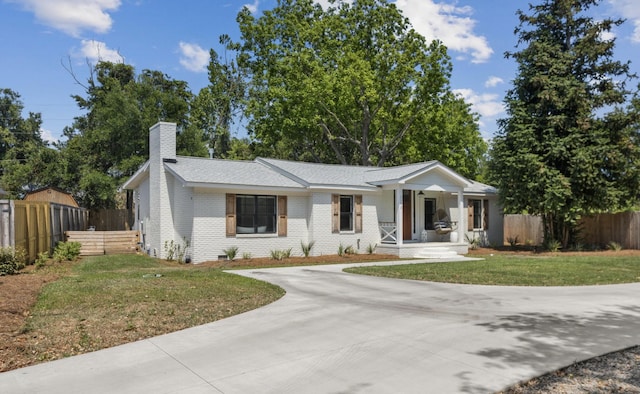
(346, 213)
(256, 214)
(429, 213)
(478, 215)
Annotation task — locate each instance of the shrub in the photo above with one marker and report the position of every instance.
(616, 247)
(11, 261)
(306, 248)
(350, 250)
(231, 252)
(42, 259)
(246, 256)
(66, 251)
(551, 245)
(175, 251)
(474, 243)
(280, 254)
(513, 241)
(341, 250)
(371, 248)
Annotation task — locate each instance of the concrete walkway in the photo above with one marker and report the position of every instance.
(340, 333)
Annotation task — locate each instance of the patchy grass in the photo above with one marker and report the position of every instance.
(514, 270)
(110, 300)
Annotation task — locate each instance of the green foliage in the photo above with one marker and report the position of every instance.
(570, 145)
(353, 84)
(280, 254)
(246, 255)
(111, 140)
(551, 245)
(513, 241)
(11, 261)
(615, 246)
(371, 248)
(341, 250)
(66, 251)
(231, 252)
(306, 248)
(176, 251)
(474, 243)
(42, 259)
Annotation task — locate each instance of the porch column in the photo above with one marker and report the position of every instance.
(461, 216)
(399, 208)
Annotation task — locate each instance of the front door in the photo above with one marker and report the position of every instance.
(406, 215)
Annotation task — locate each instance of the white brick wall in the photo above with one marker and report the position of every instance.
(328, 243)
(209, 238)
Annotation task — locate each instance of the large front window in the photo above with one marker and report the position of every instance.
(346, 213)
(256, 214)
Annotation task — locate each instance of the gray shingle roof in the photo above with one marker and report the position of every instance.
(316, 174)
(195, 170)
(382, 174)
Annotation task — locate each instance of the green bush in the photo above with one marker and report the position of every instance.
(11, 261)
(280, 254)
(371, 248)
(306, 248)
(231, 252)
(66, 251)
(42, 259)
(551, 245)
(613, 245)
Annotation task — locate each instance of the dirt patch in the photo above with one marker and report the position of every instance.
(18, 294)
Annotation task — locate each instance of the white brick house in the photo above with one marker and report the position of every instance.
(265, 205)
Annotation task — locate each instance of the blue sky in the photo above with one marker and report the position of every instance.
(38, 36)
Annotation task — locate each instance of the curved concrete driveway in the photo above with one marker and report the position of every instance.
(340, 333)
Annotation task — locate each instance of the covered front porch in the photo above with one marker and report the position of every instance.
(423, 214)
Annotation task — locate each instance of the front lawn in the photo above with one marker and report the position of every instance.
(110, 300)
(517, 270)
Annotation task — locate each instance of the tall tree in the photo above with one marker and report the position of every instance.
(26, 160)
(217, 106)
(569, 146)
(348, 84)
(110, 141)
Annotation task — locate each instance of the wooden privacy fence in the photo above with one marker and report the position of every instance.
(599, 229)
(111, 219)
(105, 242)
(37, 226)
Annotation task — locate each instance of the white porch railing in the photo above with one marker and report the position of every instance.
(388, 232)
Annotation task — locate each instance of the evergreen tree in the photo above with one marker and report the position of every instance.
(570, 143)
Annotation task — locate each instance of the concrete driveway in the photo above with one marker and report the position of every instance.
(340, 333)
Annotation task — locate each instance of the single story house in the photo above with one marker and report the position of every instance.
(266, 205)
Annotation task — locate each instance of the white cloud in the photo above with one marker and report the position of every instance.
(493, 81)
(448, 23)
(193, 57)
(488, 106)
(253, 7)
(73, 16)
(97, 51)
(629, 10)
(47, 135)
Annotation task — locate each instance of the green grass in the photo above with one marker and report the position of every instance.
(511, 270)
(108, 300)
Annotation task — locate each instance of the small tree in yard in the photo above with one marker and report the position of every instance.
(570, 145)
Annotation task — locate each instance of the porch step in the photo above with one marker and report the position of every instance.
(436, 252)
